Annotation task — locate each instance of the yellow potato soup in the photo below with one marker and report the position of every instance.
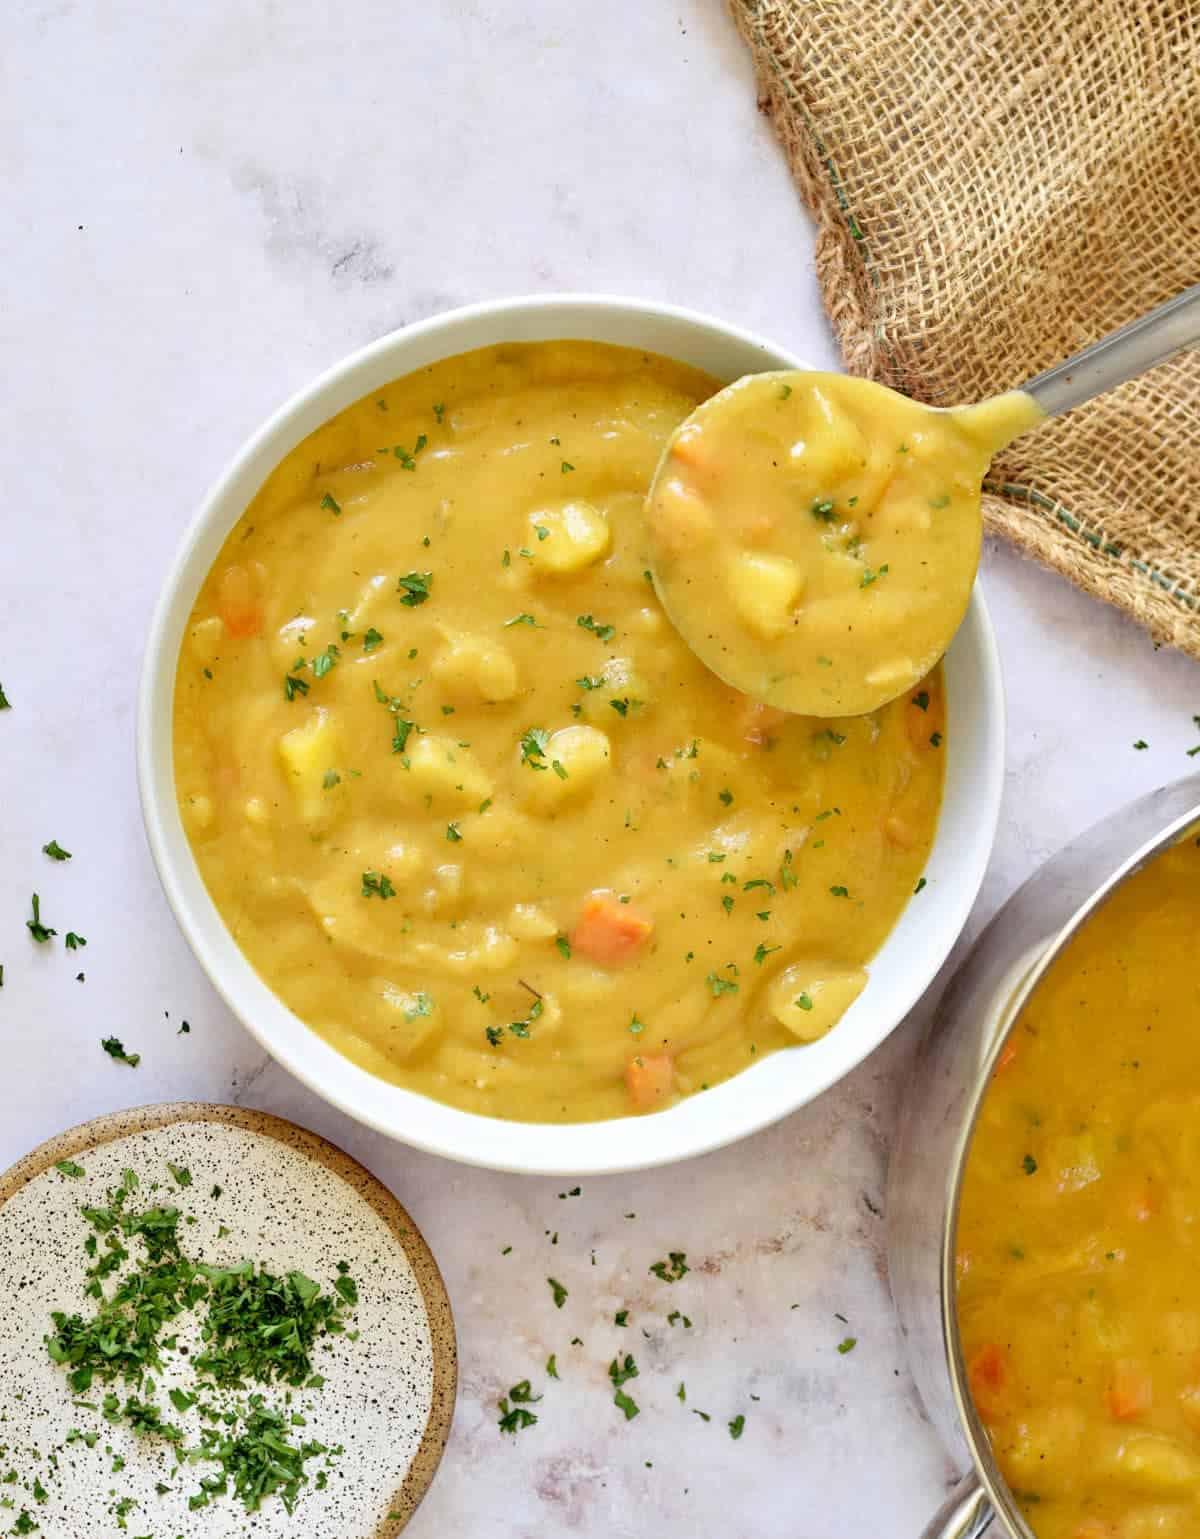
(1079, 1223)
(468, 803)
(815, 537)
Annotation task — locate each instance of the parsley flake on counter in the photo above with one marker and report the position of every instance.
(414, 588)
(40, 932)
(621, 1317)
(1141, 743)
(55, 851)
(5, 702)
(552, 1366)
(374, 884)
(921, 883)
(703, 1415)
(674, 1268)
(73, 941)
(115, 1048)
(559, 1293)
(737, 1426)
(847, 1344)
(626, 1404)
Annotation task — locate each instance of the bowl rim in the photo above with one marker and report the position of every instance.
(588, 1148)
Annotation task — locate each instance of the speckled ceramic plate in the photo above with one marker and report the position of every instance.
(287, 1199)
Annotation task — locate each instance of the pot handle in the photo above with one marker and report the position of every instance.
(965, 1513)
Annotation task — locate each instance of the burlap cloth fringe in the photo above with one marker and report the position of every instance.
(995, 184)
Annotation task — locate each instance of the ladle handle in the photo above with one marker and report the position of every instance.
(1121, 355)
(964, 1514)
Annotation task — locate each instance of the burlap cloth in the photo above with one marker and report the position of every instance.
(995, 184)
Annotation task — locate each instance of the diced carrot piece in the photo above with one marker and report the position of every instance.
(690, 448)
(237, 602)
(1008, 1054)
(1145, 1202)
(650, 1080)
(987, 1376)
(609, 931)
(1129, 1392)
(753, 719)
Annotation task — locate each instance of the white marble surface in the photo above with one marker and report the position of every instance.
(203, 206)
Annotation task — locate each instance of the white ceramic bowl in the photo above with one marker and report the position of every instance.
(754, 1098)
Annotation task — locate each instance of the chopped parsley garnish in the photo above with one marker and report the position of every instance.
(868, 576)
(324, 661)
(761, 952)
(331, 503)
(784, 392)
(330, 779)
(40, 932)
(453, 834)
(372, 639)
(115, 1048)
(787, 877)
(408, 457)
(558, 1292)
(533, 747)
(374, 884)
(673, 1268)
(718, 985)
(516, 1418)
(822, 508)
(293, 686)
(414, 588)
(182, 1175)
(623, 707)
(636, 1026)
(563, 946)
(921, 700)
(603, 632)
(935, 740)
(69, 1168)
(725, 797)
(803, 1002)
(588, 682)
(522, 619)
(1029, 1165)
(55, 851)
(566, 465)
(737, 1426)
(840, 892)
(439, 410)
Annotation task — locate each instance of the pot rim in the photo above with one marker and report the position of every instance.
(979, 1446)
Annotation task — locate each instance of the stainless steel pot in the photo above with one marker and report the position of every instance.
(951, 1074)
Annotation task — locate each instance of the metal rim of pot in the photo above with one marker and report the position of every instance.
(950, 1078)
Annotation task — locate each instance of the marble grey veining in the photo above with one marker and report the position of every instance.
(206, 205)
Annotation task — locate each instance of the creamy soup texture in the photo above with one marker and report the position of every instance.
(468, 803)
(815, 537)
(1079, 1227)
